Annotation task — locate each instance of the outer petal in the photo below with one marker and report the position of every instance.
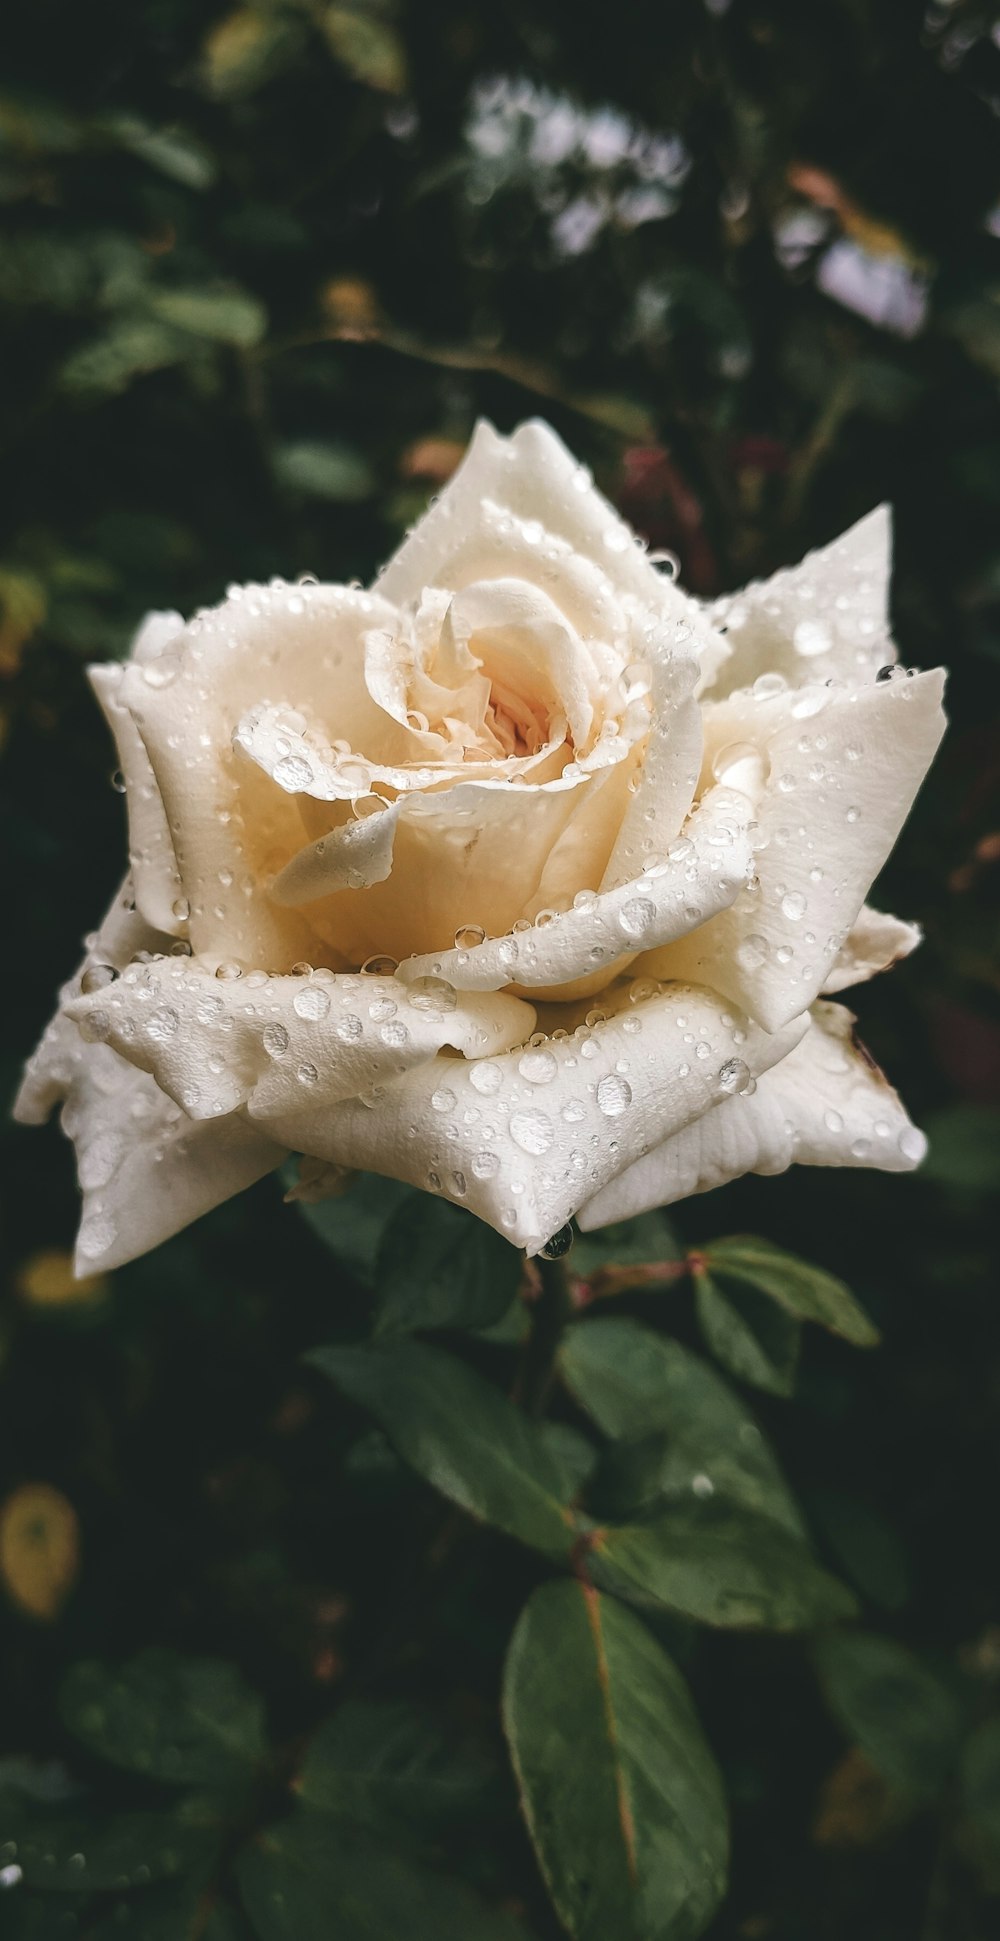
(826, 619)
(702, 873)
(845, 765)
(824, 1104)
(145, 1170)
(514, 501)
(875, 943)
(159, 892)
(294, 645)
(522, 1138)
(272, 1045)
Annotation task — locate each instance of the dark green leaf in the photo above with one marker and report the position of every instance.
(573, 1454)
(649, 1237)
(461, 1434)
(324, 470)
(906, 1719)
(191, 1721)
(224, 316)
(385, 1762)
(301, 1882)
(131, 348)
(622, 1796)
(440, 1267)
(720, 1565)
(352, 1224)
(643, 1386)
(748, 1334)
(804, 1291)
(69, 1851)
(865, 1545)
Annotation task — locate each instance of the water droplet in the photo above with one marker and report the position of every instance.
(734, 1076)
(395, 1035)
(97, 977)
(538, 1067)
(912, 1143)
(752, 952)
(794, 906)
(379, 967)
(433, 995)
(275, 1040)
(162, 1024)
(307, 1074)
(702, 1485)
(637, 916)
(853, 815)
(293, 773)
(485, 1076)
(443, 1100)
(532, 1130)
(181, 908)
(833, 1121)
(468, 935)
(350, 1029)
(311, 1002)
(485, 1165)
(559, 1245)
(613, 1095)
(812, 637)
(768, 686)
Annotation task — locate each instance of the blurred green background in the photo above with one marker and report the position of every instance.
(260, 271)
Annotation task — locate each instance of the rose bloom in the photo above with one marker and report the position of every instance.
(521, 877)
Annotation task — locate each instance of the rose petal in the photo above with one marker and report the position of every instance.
(825, 619)
(707, 869)
(145, 1170)
(523, 504)
(874, 944)
(222, 1045)
(297, 644)
(824, 1104)
(845, 765)
(670, 765)
(522, 1137)
(353, 856)
(159, 892)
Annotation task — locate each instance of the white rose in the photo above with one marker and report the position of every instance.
(519, 877)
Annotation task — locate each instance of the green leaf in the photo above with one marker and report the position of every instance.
(352, 1224)
(804, 1291)
(692, 1429)
(302, 1882)
(719, 1564)
(458, 1431)
(130, 348)
(385, 1762)
(649, 1237)
(173, 152)
(621, 1793)
(440, 1267)
(71, 1851)
(188, 1721)
(748, 1334)
(367, 46)
(865, 1545)
(184, 1910)
(325, 470)
(573, 1454)
(224, 316)
(965, 1148)
(906, 1719)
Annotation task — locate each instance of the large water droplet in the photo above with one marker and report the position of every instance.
(532, 1130)
(613, 1095)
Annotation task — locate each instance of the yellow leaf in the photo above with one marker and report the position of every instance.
(39, 1548)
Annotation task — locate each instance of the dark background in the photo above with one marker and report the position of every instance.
(260, 272)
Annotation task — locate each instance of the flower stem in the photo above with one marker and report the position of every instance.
(552, 1310)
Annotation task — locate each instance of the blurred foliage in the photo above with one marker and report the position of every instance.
(260, 270)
